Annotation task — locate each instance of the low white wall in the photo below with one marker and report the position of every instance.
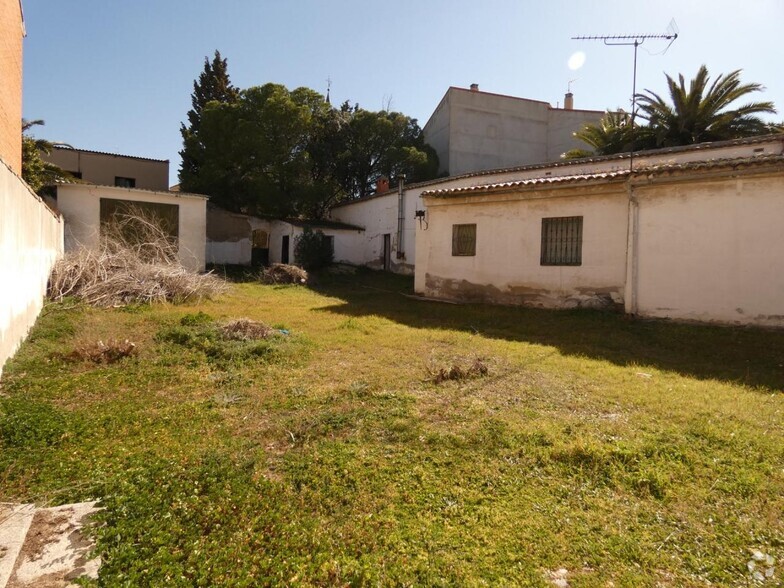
(712, 250)
(31, 240)
(229, 252)
(80, 205)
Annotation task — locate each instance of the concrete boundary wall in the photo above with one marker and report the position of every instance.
(31, 240)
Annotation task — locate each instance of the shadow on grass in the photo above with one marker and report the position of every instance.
(238, 274)
(744, 355)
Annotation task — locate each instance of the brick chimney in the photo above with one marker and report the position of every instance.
(382, 185)
(569, 101)
(474, 87)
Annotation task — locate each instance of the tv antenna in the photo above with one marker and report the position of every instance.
(635, 41)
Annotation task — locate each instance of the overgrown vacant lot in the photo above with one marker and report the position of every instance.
(381, 440)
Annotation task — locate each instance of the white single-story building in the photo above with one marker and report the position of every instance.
(85, 206)
(240, 239)
(689, 233)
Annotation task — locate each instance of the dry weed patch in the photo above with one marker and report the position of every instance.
(281, 273)
(245, 329)
(460, 368)
(107, 352)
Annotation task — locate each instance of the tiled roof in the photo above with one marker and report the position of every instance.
(65, 184)
(580, 162)
(75, 149)
(323, 224)
(650, 170)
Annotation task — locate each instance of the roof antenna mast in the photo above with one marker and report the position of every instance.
(635, 41)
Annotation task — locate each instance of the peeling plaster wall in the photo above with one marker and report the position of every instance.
(712, 250)
(31, 239)
(230, 236)
(506, 268)
(80, 204)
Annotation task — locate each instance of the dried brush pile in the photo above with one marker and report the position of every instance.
(136, 262)
(281, 273)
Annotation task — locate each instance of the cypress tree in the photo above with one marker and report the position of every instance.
(212, 84)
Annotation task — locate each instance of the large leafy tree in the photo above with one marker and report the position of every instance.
(37, 172)
(254, 151)
(290, 153)
(383, 144)
(213, 84)
(698, 112)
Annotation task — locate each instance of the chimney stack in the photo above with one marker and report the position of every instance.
(569, 101)
(474, 87)
(382, 185)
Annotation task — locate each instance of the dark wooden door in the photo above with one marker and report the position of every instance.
(387, 252)
(284, 250)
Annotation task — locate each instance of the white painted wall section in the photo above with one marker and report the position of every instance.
(31, 240)
(712, 250)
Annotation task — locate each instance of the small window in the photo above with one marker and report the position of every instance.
(464, 239)
(330, 241)
(562, 241)
(124, 182)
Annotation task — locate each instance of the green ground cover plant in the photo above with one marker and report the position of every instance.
(371, 439)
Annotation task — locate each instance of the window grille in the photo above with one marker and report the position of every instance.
(464, 239)
(562, 241)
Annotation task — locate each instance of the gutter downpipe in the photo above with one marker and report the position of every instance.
(632, 230)
(400, 217)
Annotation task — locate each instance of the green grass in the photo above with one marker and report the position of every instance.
(633, 452)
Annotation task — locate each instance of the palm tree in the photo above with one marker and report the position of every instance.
(612, 135)
(701, 112)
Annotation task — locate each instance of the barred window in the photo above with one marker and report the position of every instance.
(464, 239)
(562, 241)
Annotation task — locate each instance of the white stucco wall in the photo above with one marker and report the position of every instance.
(31, 239)
(506, 268)
(81, 207)
(378, 214)
(712, 250)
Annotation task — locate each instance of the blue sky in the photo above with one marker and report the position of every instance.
(117, 76)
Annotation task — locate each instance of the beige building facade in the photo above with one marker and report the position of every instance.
(110, 169)
(472, 130)
(690, 234)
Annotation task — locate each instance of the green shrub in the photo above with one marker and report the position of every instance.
(313, 250)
